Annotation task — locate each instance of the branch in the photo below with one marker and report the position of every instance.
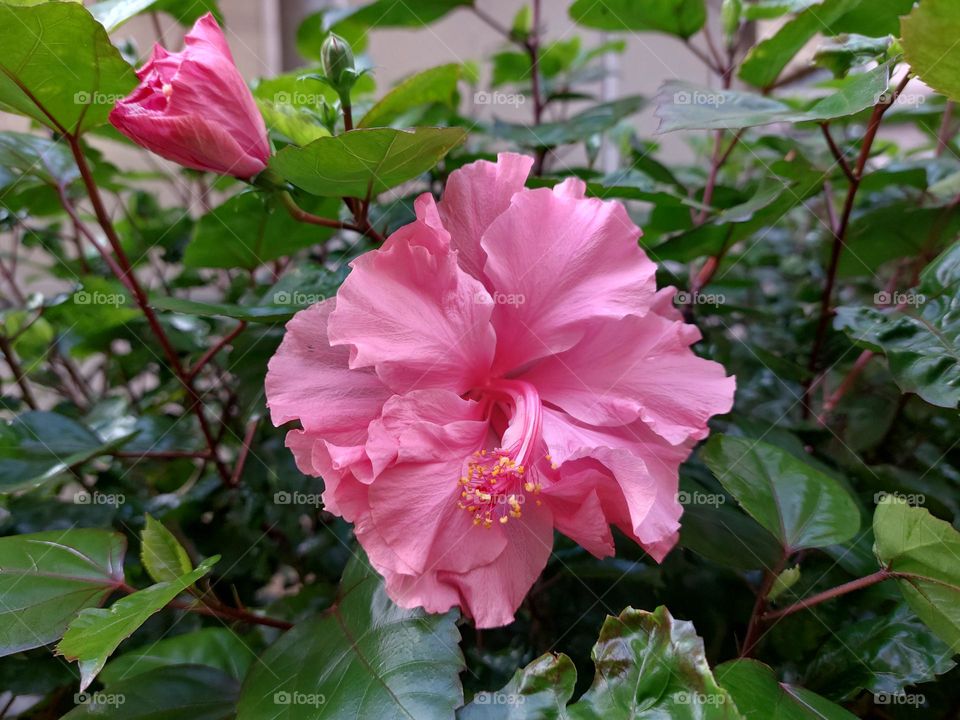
(830, 594)
(11, 357)
(837, 153)
(211, 353)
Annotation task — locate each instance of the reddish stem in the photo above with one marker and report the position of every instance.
(830, 594)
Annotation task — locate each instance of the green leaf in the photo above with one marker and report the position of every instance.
(883, 654)
(650, 665)
(216, 647)
(578, 127)
(59, 67)
(38, 446)
(114, 13)
(37, 158)
(677, 17)
(923, 551)
(436, 85)
(187, 12)
(929, 37)
(47, 578)
(727, 536)
(540, 690)
(365, 657)
(801, 506)
(760, 696)
(365, 161)
(179, 692)
(269, 314)
(766, 61)
(874, 18)
(95, 633)
(389, 13)
(682, 106)
(771, 9)
(250, 229)
(840, 54)
(162, 554)
(920, 337)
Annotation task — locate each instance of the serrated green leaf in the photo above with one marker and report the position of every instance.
(47, 578)
(365, 161)
(162, 554)
(801, 506)
(96, 633)
(929, 36)
(59, 67)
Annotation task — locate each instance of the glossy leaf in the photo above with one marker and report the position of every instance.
(365, 657)
(801, 506)
(650, 665)
(841, 54)
(47, 578)
(389, 13)
(677, 17)
(759, 695)
(162, 554)
(114, 13)
(591, 121)
(924, 551)
(95, 633)
(366, 161)
(59, 67)
(177, 692)
(929, 36)
(540, 690)
(682, 106)
(436, 85)
(215, 647)
(884, 654)
(38, 446)
(37, 158)
(269, 314)
(921, 337)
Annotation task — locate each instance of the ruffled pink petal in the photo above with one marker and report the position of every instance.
(414, 503)
(343, 493)
(556, 261)
(642, 469)
(309, 380)
(409, 311)
(473, 198)
(491, 593)
(637, 367)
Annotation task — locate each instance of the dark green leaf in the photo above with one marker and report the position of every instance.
(365, 161)
(47, 578)
(179, 692)
(540, 690)
(801, 506)
(59, 67)
(389, 13)
(760, 696)
(365, 657)
(258, 313)
(95, 633)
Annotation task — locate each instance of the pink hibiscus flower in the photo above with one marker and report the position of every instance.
(502, 367)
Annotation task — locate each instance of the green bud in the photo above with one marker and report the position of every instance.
(336, 58)
(730, 13)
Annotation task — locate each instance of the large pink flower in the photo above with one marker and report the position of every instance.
(194, 108)
(502, 367)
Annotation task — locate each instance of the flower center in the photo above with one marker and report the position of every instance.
(497, 482)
